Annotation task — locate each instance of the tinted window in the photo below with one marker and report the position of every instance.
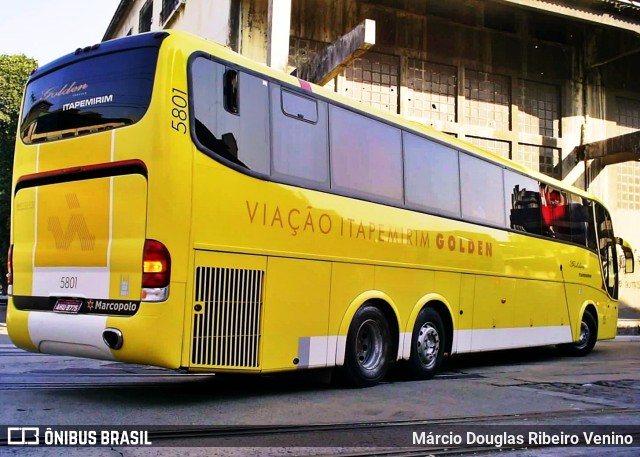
(299, 148)
(241, 134)
(99, 93)
(432, 177)
(579, 219)
(365, 155)
(592, 242)
(556, 217)
(300, 107)
(606, 250)
(482, 191)
(522, 202)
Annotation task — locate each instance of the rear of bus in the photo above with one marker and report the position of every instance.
(95, 266)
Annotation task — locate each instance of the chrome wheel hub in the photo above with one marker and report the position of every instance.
(585, 334)
(369, 345)
(428, 345)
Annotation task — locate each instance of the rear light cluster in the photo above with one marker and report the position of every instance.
(10, 271)
(156, 271)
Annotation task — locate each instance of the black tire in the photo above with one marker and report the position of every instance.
(367, 360)
(588, 338)
(428, 343)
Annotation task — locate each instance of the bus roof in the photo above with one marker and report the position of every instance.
(128, 42)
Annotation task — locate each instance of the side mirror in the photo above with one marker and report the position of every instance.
(629, 262)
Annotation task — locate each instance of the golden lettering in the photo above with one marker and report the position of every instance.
(366, 230)
(372, 229)
(67, 89)
(277, 217)
(325, 217)
(252, 214)
(309, 222)
(393, 236)
(294, 228)
(424, 239)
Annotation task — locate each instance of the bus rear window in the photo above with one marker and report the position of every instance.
(99, 93)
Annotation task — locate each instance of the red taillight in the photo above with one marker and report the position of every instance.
(156, 265)
(10, 266)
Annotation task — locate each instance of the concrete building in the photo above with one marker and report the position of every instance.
(541, 82)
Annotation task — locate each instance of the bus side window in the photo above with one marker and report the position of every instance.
(230, 92)
(226, 124)
(592, 239)
(300, 138)
(606, 250)
(481, 191)
(556, 222)
(522, 202)
(579, 216)
(368, 164)
(432, 176)
(299, 107)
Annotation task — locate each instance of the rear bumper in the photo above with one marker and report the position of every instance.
(153, 336)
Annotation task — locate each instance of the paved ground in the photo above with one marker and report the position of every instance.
(628, 311)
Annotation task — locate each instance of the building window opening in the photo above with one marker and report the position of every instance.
(146, 14)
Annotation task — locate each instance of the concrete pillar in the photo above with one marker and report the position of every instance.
(278, 24)
(335, 58)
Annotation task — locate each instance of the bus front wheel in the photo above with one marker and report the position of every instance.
(588, 338)
(427, 345)
(367, 351)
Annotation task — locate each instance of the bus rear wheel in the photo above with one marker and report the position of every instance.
(427, 345)
(588, 338)
(367, 351)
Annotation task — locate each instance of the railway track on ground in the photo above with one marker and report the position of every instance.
(391, 438)
(400, 433)
(397, 438)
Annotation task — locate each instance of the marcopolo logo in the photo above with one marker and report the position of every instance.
(102, 305)
(23, 436)
(128, 308)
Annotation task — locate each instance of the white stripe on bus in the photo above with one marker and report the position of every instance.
(509, 338)
(77, 335)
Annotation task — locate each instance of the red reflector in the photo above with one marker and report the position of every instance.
(156, 264)
(10, 266)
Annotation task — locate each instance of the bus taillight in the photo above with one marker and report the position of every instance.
(156, 271)
(10, 270)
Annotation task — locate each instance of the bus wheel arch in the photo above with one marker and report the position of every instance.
(587, 336)
(430, 336)
(371, 342)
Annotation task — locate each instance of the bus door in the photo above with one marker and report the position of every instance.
(607, 251)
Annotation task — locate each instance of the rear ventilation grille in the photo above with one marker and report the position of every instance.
(226, 324)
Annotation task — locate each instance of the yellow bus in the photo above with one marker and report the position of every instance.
(177, 205)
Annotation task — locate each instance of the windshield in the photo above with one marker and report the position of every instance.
(103, 92)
